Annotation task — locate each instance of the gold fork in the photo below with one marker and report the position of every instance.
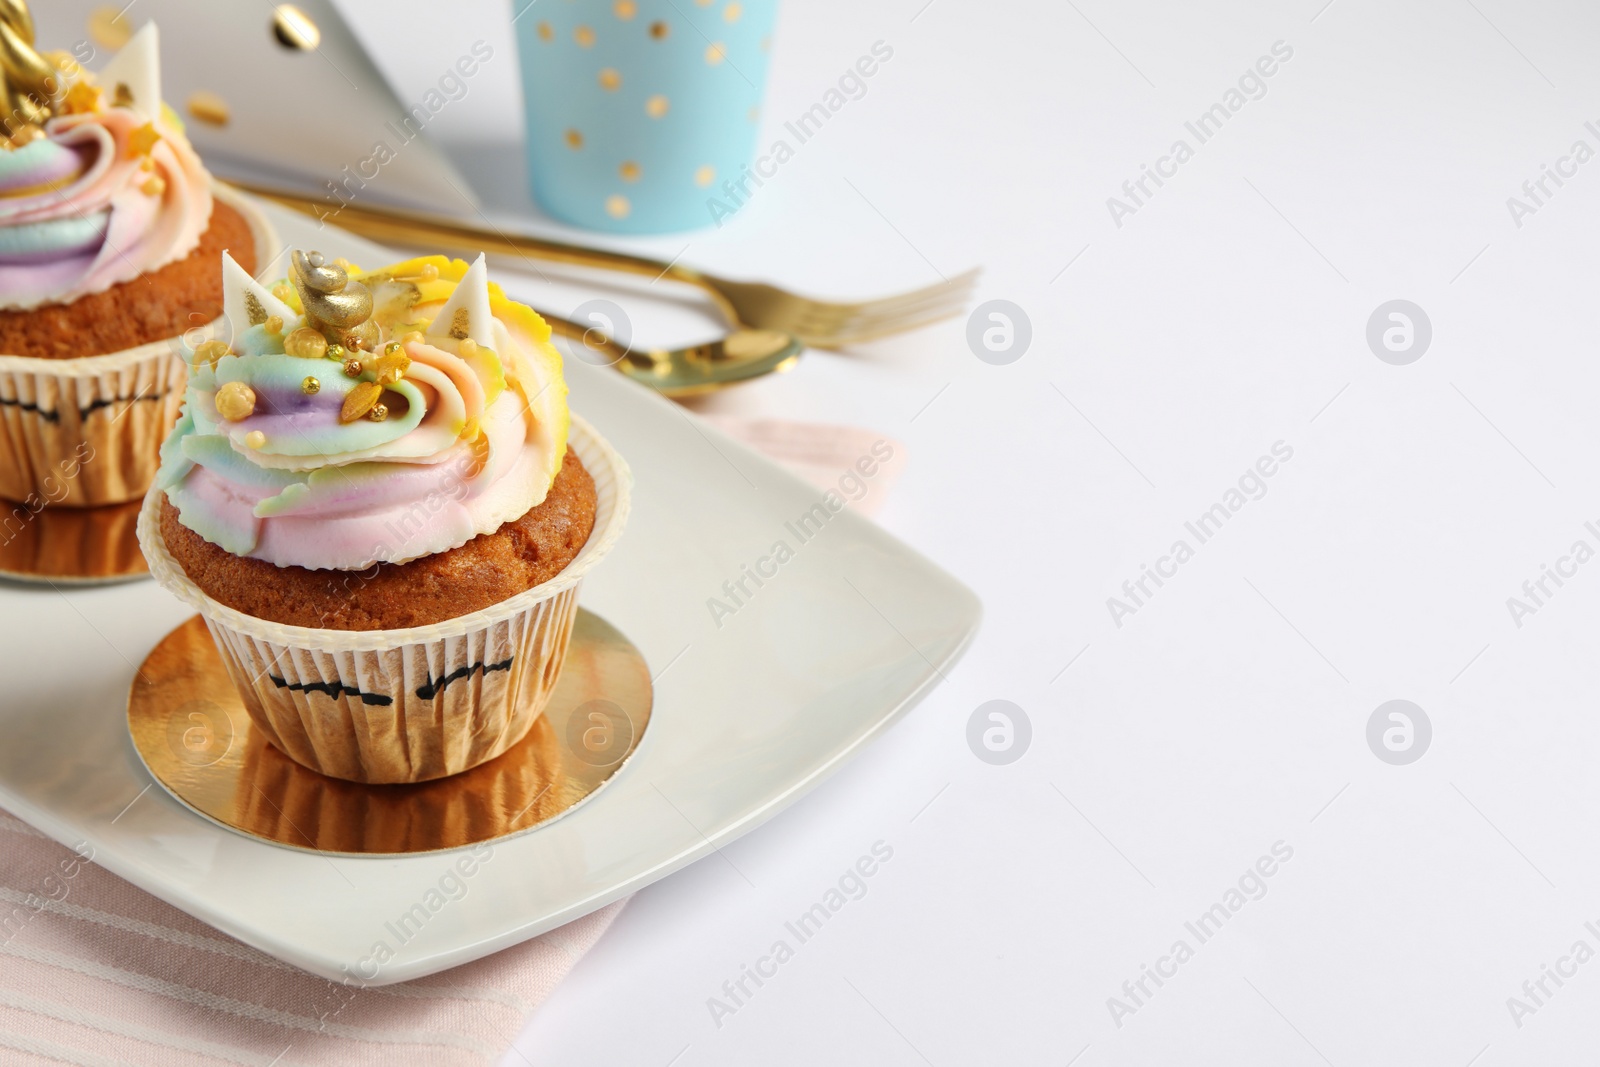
(754, 305)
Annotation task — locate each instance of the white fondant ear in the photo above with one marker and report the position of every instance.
(466, 313)
(138, 66)
(245, 302)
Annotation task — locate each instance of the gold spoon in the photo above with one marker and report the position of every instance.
(702, 368)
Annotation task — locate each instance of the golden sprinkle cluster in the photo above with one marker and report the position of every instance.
(235, 401)
(306, 343)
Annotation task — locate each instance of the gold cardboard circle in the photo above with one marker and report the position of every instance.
(192, 732)
(71, 546)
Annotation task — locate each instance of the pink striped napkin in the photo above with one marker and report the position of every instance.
(97, 972)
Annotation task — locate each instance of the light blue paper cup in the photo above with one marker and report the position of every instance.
(639, 110)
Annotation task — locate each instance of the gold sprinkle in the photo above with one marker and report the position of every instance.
(732, 12)
(359, 401)
(209, 108)
(618, 207)
(459, 324)
(154, 185)
(306, 343)
(147, 164)
(379, 412)
(391, 367)
(253, 309)
(429, 272)
(546, 33)
(235, 401)
(352, 367)
(610, 80)
(625, 9)
(574, 139)
(414, 335)
(335, 352)
(705, 175)
(209, 352)
(142, 140)
(391, 348)
(81, 98)
(629, 171)
(480, 447)
(468, 347)
(656, 106)
(715, 53)
(122, 96)
(294, 29)
(310, 386)
(255, 439)
(274, 324)
(108, 28)
(283, 291)
(659, 30)
(584, 36)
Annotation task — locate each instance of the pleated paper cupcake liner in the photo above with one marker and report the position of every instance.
(86, 432)
(413, 704)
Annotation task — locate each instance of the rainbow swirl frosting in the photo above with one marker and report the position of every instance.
(109, 190)
(460, 421)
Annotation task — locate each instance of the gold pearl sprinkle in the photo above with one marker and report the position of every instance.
(352, 368)
(153, 186)
(283, 291)
(610, 80)
(255, 439)
(584, 36)
(235, 401)
(468, 347)
(209, 108)
(705, 175)
(379, 412)
(715, 53)
(732, 12)
(546, 33)
(618, 207)
(391, 348)
(310, 386)
(274, 324)
(629, 171)
(625, 9)
(574, 139)
(430, 272)
(656, 106)
(659, 30)
(335, 352)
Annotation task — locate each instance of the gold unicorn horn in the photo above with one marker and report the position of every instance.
(31, 82)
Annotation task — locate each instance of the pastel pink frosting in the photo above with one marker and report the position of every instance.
(79, 214)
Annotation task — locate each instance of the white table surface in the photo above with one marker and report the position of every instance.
(1229, 712)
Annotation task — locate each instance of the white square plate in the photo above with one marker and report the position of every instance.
(749, 715)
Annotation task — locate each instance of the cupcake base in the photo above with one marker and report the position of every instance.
(192, 731)
(70, 546)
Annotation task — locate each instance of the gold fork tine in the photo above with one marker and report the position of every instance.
(873, 333)
(886, 313)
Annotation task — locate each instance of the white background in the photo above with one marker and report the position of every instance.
(1229, 713)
